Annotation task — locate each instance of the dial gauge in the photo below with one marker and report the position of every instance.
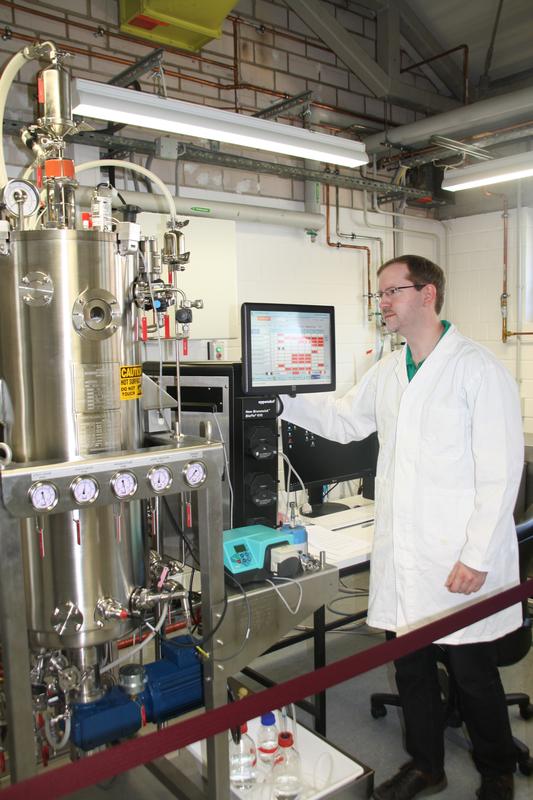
(123, 485)
(160, 478)
(43, 496)
(21, 194)
(195, 473)
(84, 490)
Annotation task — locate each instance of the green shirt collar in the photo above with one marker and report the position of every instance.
(413, 368)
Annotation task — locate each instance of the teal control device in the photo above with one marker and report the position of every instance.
(247, 550)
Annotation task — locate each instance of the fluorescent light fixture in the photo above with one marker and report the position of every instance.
(143, 110)
(510, 168)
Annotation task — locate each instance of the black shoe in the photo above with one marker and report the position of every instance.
(496, 787)
(410, 782)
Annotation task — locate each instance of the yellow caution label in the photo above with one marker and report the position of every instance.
(131, 382)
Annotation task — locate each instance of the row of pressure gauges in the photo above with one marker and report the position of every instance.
(44, 495)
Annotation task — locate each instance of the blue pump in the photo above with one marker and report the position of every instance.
(173, 686)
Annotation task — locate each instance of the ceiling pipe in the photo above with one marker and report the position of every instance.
(192, 207)
(481, 116)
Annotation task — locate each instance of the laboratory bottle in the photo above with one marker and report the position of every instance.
(242, 760)
(286, 771)
(267, 738)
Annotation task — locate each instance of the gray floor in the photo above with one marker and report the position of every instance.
(378, 743)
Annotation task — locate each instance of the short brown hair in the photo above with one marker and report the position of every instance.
(422, 270)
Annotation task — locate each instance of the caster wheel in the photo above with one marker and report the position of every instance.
(526, 767)
(378, 711)
(526, 711)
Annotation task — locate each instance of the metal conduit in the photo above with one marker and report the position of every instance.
(481, 116)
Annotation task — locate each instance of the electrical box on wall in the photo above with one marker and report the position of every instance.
(428, 177)
(188, 26)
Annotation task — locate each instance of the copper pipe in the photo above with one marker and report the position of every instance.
(338, 245)
(504, 295)
(282, 34)
(464, 48)
(506, 129)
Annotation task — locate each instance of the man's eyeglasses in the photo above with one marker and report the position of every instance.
(395, 289)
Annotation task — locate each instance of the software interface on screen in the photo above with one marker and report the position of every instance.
(290, 347)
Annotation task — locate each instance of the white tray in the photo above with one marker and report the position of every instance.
(324, 768)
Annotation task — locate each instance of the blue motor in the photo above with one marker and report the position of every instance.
(156, 693)
(174, 684)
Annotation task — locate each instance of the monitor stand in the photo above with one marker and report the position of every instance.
(319, 508)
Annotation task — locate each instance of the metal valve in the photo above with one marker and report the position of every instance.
(107, 608)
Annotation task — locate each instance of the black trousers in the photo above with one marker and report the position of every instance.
(481, 698)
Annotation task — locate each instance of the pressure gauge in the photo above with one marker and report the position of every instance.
(195, 473)
(123, 485)
(43, 496)
(84, 490)
(160, 478)
(19, 194)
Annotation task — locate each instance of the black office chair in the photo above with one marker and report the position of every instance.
(511, 649)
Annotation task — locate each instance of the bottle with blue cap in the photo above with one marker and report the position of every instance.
(267, 739)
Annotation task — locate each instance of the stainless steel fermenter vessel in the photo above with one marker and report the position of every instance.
(66, 334)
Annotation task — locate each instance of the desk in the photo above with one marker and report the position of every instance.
(346, 536)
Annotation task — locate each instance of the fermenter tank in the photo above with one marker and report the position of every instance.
(66, 333)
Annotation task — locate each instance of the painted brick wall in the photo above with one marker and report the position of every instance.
(475, 278)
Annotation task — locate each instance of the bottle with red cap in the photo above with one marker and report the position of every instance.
(286, 771)
(242, 759)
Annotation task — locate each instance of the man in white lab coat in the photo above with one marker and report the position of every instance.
(449, 424)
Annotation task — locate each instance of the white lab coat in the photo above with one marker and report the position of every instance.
(449, 468)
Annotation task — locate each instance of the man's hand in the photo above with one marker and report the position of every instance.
(465, 580)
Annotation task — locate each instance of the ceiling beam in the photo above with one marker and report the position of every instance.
(427, 45)
(388, 40)
(349, 51)
(344, 45)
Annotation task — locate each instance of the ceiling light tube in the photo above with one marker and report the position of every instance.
(510, 168)
(143, 110)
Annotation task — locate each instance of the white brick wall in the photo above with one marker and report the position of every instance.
(475, 284)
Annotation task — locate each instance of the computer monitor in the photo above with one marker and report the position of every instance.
(287, 349)
(319, 461)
